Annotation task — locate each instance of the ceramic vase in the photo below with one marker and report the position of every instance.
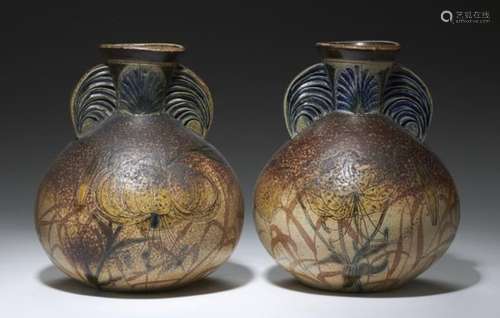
(355, 202)
(140, 200)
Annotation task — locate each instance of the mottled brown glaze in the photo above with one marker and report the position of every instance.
(142, 203)
(354, 203)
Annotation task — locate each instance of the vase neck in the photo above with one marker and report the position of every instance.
(141, 73)
(358, 71)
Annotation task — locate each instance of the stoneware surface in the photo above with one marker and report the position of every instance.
(355, 202)
(140, 200)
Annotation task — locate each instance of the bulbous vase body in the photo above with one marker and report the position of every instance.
(353, 202)
(140, 201)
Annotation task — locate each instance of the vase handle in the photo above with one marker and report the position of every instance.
(407, 101)
(308, 98)
(189, 101)
(93, 100)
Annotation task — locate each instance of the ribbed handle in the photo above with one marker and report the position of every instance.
(189, 100)
(308, 98)
(320, 90)
(185, 97)
(93, 99)
(407, 101)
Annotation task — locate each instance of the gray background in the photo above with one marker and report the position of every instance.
(247, 53)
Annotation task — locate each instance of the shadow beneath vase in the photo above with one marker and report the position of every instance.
(228, 276)
(448, 275)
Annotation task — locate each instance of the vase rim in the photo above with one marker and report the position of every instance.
(151, 47)
(157, 53)
(370, 45)
(373, 50)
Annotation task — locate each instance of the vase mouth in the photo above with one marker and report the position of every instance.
(372, 45)
(141, 52)
(376, 50)
(152, 47)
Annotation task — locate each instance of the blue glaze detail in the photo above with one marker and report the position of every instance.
(141, 89)
(407, 101)
(93, 99)
(188, 100)
(357, 90)
(308, 98)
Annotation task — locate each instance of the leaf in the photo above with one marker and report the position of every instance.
(332, 258)
(374, 269)
(324, 226)
(374, 249)
(126, 243)
(105, 228)
(370, 269)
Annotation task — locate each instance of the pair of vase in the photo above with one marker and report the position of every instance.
(353, 202)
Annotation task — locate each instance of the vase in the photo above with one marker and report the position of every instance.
(355, 202)
(140, 200)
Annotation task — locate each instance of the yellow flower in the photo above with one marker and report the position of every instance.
(344, 184)
(139, 189)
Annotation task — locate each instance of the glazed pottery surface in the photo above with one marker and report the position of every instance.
(355, 201)
(140, 200)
